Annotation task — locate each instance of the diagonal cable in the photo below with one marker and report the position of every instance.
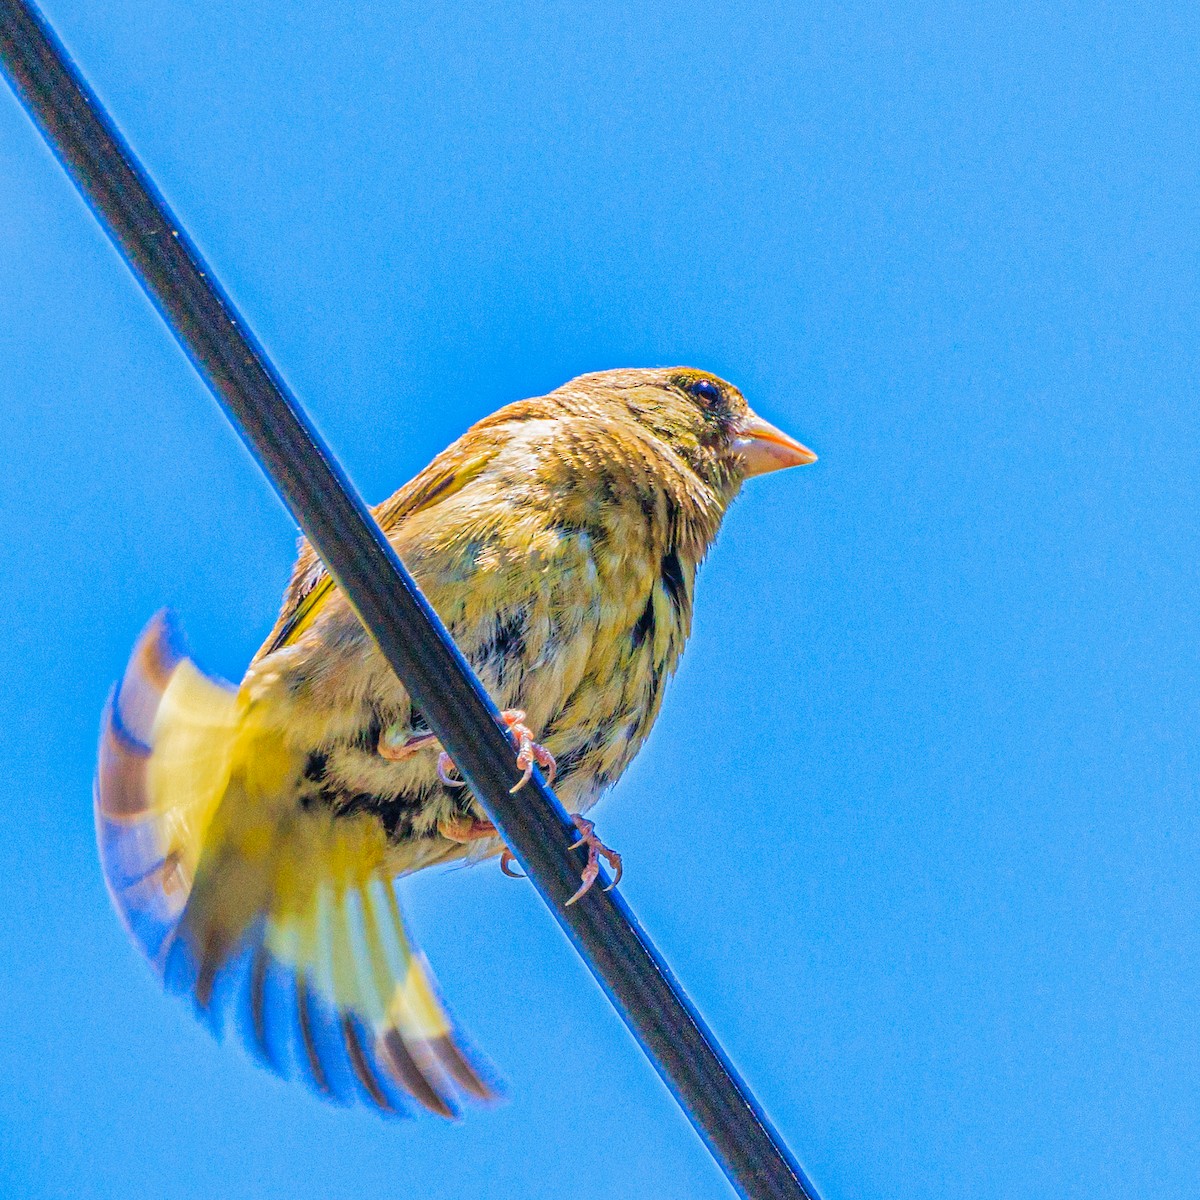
(409, 633)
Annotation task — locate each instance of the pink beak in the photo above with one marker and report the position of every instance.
(762, 448)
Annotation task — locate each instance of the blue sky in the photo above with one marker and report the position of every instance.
(918, 827)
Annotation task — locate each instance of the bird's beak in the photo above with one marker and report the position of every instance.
(762, 448)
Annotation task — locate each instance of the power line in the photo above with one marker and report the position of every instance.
(387, 600)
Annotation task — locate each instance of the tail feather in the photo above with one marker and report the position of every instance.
(284, 918)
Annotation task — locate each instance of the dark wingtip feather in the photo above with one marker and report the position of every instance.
(462, 1066)
(403, 1067)
(125, 730)
(362, 1066)
(120, 770)
(157, 652)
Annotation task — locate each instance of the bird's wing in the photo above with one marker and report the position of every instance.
(311, 585)
(284, 918)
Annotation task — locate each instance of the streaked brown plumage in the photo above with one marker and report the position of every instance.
(559, 540)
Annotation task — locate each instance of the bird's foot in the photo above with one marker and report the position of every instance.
(596, 850)
(445, 765)
(464, 830)
(396, 743)
(528, 753)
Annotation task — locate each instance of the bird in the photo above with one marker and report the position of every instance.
(251, 836)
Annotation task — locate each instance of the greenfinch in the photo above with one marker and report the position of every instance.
(251, 836)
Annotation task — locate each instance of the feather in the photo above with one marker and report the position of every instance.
(311, 586)
(293, 924)
(251, 838)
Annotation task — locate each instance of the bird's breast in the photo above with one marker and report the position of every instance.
(578, 625)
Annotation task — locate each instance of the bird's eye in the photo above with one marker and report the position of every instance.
(706, 390)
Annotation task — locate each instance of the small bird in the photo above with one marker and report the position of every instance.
(251, 836)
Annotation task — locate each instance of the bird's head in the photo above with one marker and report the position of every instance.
(703, 419)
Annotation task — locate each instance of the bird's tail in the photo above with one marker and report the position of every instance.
(238, 895)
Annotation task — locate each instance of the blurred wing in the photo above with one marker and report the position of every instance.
(334, 982)
(150, 837)
(285, 918)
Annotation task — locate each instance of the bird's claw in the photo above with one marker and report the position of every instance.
(465, 830)
(596, 850)
(528, 751)
(397, 744)
(445, 765)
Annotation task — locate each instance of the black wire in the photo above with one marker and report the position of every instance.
(386, 599)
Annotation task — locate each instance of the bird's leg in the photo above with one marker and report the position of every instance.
(466, 829)
(528, 753)
(396, 743)
(596, 850)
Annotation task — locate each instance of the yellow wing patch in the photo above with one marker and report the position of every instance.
(302, 616)
(240, 897)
